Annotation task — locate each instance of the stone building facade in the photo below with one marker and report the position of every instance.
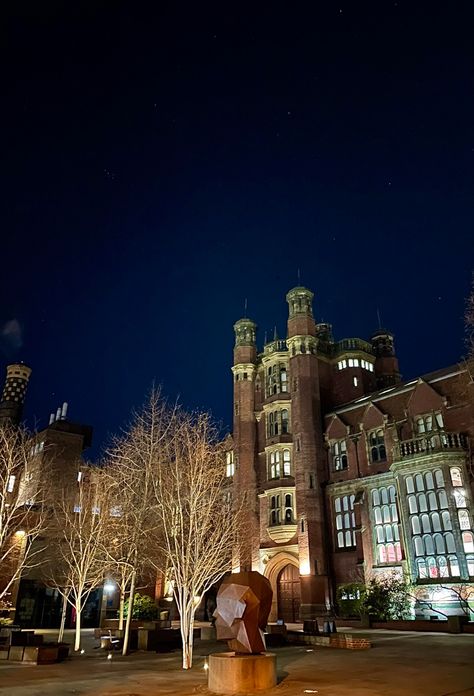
(347, 471)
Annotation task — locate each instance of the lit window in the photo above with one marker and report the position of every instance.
(275, 464)
(460, 498)
(464, 521)
(351, 362)
(339, 455)
(356, 362)
(11, 483)
(230, 467)
(77, 508)
(355, 381)
(286, 463)
(79, 476)
(345, 521)
(387, 533)
(284, 420)
(468, 542)
(456, 478)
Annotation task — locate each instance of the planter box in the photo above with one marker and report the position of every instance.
(63, 651)
(41, 654)
(16, 653)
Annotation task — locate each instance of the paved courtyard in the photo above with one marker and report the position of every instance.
(408, 664)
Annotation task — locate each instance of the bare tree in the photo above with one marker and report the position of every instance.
(200, 523)
(77, 563)
(131, 542)
(22, 509)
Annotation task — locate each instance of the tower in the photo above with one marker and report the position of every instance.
(309, 453)
(14, 392)
(386, 362)
(245, 432)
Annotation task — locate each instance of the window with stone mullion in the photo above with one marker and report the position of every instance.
(432, 526)
(386, 525)
(345, 521)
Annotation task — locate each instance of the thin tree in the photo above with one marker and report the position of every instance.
(128, 536)
(131, 545)
(22, 507)
(200, 523)
(77, 562)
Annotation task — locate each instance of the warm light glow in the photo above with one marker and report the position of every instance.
(109, 587)
(305, 568)
(206, 666)
(109, 656)
(20, 533)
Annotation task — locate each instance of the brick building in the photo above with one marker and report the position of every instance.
(54, 458)
(347, 470)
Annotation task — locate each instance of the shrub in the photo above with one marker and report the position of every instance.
(350, 599)
(387, 598)
(144, 607)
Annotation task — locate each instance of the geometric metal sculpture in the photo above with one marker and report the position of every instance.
(244, 601)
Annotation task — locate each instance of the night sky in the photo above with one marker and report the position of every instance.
(161, 162)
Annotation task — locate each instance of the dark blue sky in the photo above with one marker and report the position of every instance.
(160, 165)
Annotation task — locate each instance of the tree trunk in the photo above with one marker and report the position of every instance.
(186, 625)
(129, 615)
(63, 619)
(121, 607)
(77, 642)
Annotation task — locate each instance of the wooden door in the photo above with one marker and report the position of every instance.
(289, 594)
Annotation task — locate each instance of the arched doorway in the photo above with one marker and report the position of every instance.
(289, 594)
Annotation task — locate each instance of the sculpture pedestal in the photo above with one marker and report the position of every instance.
(231, 673)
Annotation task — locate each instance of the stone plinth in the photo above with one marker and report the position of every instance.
(231, 673)
(208, 633)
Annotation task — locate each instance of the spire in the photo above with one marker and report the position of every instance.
(378, 318)
(275, 334)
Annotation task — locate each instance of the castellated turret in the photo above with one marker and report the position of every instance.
(14, 392)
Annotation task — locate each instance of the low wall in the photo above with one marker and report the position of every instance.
(335, 640)
(452, 625)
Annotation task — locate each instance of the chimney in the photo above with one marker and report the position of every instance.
(64, 411)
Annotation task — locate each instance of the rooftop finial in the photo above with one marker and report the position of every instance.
(378, 318)
(275, 335)
(245, 308)
(299, 276)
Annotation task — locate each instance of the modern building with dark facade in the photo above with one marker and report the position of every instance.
(347, 471)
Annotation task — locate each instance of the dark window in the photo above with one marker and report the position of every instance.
(377, 446)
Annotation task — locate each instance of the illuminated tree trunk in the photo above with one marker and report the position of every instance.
(77, 641)
(186, 625)
(121, 608)
(129, 615)
(63, 618)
